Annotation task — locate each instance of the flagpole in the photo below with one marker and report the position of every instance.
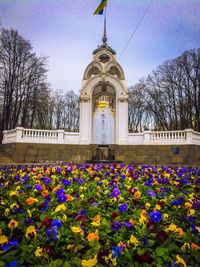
(104, 39)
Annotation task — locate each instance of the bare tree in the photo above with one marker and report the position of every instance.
(22, 81)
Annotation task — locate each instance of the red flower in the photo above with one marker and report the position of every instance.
(114, 215)
(47, 222)
(161, 237)
(144, 258)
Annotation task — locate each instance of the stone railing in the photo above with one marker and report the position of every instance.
(22, 135)
(187, 136)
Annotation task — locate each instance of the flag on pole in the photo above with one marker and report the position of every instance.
(100, 8)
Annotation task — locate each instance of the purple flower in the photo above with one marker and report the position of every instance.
(115, 193)
(155, 216)
(115, 226)
(47, 180)
(38, 187)
(151, 193)
(196, 205)
(128, 225)
(66, 182)
(62, 197)
(123, 207)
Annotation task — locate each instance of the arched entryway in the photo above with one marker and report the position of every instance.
(103, 114)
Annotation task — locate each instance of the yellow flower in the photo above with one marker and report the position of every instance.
(3, 239)
(7, 211)
(60, 207)
(14, 205)
(190, 212)
(30, 232)
(179, 231)
(171, 227)
(147, 206)
(64, 218)
(76, 229)
(157, 207)
(134, 240)
(13, 224)
(96, 220)
(89, 263)
(38, 252)
(109, 259)
(165, 216)
(180, 260)
(185, 246)
(120, 199)
(13, 193)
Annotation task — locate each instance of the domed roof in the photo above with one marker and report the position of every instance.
(103, 47)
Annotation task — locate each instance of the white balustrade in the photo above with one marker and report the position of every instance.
(22, 135)
(168, 137)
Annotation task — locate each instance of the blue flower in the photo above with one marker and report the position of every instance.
(60, 191)
(56, 223)
(116, 251)
(156, 216)
(12, 264)
(145, 241)
(123, 207)
(14, 242)
(62, 198)
(5, 247)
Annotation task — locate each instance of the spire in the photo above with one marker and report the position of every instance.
(104, 39)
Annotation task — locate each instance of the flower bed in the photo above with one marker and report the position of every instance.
(99, 215)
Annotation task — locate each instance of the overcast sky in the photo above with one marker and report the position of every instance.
(67, 32)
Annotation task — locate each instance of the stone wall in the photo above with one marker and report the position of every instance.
(159, 154)
(136, 154)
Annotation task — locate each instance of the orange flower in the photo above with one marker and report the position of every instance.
(31, 200)
(137, 194)
(155, 183)
(92, 236)
(45, 193)
(69, 197)
(196, 247)
(188, 205)
(70, 246)
(43, 187)
(143, 213)
(132, 221)
(47, 172)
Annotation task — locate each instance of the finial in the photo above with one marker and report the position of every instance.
(104, 39)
